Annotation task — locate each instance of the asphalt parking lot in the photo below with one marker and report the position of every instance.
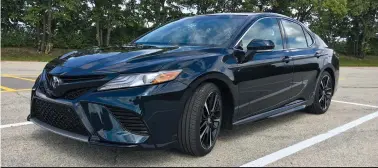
(347, 135)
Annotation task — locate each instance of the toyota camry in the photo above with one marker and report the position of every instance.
(178, 85)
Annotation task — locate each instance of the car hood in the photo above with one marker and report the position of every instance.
(129, 59)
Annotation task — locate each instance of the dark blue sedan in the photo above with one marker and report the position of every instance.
(179, 84)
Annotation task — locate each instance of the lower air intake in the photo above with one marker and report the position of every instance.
(129, 120)
(57, 115)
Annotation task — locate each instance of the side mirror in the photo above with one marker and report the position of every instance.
(258, 45)
(240, 55)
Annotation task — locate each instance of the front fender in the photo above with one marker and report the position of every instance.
(214, 70)
(209, 69)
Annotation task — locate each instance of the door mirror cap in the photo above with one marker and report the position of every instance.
(259, 45)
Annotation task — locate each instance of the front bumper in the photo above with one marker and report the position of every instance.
(144, 117)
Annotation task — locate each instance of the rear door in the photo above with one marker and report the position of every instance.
(305, 57)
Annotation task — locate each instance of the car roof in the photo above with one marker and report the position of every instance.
(255, 15)
(251, 14)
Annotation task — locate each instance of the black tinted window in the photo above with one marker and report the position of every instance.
(309, 39)
(295, 35)
(265, 29)
(321, 42)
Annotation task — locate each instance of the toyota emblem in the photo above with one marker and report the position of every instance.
(56, 82)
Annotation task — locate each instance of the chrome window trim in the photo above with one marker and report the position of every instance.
(303, 29)
(254, 24)
(283, 35)
(313, 39)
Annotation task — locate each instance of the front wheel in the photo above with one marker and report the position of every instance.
(323, 95)
(201, 121)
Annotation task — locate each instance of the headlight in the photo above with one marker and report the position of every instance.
(132, 80)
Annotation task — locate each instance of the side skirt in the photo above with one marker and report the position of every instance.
(292, 107)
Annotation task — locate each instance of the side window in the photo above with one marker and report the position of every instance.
(321, 42)
(264, 29)
(309, 39)
(295, 35)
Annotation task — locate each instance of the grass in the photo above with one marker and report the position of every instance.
(368, 61)
(30, 54)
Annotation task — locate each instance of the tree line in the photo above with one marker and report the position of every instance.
(349, 26)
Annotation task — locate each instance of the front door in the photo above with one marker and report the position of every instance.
(265, 80)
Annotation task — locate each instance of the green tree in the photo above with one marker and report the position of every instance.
(158, 12)
(73, 28)
(43, 16)
(45, 24)
(200, 6)
(11, 14)
(303, 9)
(363, 15)
(327, 19)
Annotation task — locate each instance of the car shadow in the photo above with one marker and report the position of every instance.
(260, 126)
(111, 156)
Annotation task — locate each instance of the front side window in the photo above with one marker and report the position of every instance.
(294, 34)
(204, 30)
(264, 29)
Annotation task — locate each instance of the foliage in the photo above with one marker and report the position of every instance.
(364, 26)
(368, 61)
(29, 54)
(349, 26)
(329, 17)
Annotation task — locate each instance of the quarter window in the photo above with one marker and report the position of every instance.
(309, 39)
(295, 35)
(264, 29)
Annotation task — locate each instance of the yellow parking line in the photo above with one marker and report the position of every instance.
(16, 77)
(7, 89)
(24, 75)
(13, 90)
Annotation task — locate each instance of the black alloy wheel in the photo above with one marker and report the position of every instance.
(201, 120)
(325, 92)
(210, 123)
(323, 95)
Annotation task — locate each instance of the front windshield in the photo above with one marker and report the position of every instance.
(210, 30)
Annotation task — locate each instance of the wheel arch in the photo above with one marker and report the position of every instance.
(228, 90)
(331, 71)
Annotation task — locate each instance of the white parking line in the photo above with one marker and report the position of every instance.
(263, 161)
(337, 101)
(357, 104)
(291, 149)
(15, 124)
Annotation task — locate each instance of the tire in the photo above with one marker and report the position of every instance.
(323, 95)
(193, 134)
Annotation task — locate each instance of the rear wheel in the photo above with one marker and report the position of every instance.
(323, 95)
(201, 121)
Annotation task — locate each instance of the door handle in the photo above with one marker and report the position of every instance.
(286, 59)
(318, 54)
